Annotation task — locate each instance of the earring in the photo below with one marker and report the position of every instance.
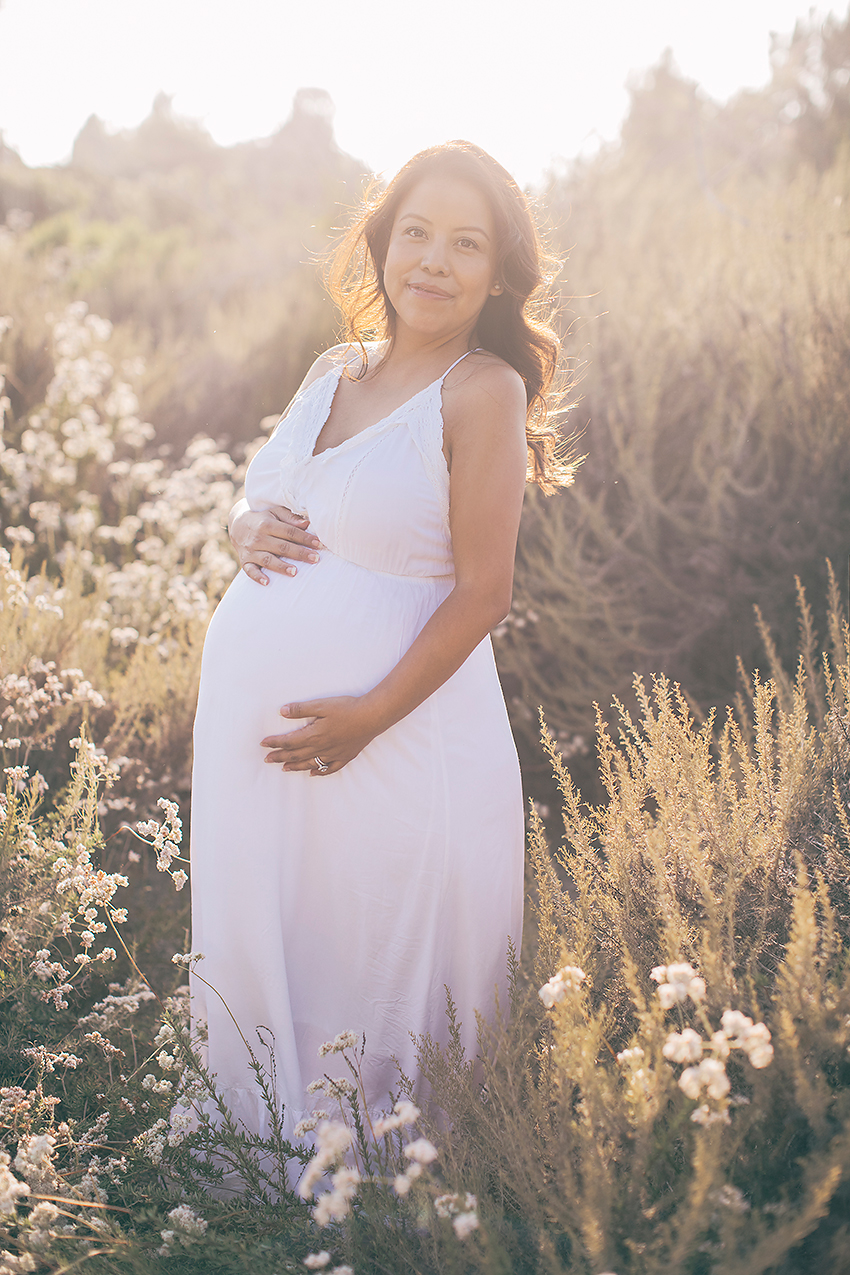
(497, 287)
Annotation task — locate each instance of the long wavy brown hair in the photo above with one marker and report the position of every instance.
(515, 324)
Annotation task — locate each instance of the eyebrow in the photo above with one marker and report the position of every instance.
(479, 230)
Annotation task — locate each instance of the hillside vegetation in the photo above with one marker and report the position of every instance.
(671, 1090)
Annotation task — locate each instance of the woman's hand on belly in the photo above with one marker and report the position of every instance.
(270, 540)
(340, 728)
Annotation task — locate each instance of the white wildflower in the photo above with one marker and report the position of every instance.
(633, 1055)
(47, 514)
(340, 1088)
(330, 1207)
(333, 1140)
(345, 1040)
(404, 1113)
(753, 1038)
(34, 1161)
(423, 1151)
(11, 1190)
(20, 535)
(709, 1075)
(713, 1076)
(334, 1205)
(449, 1205)
(181, 1121)
(705, 1116)
(465, 1223)
(187, 1222)
(758, 1048)
(683, 1047)
(151, 1143)
(735, 1025)
(568, 979)
(43, 1214)
(315, 1261)
(677, 983)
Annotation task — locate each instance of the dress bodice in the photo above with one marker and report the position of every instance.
(379, 499)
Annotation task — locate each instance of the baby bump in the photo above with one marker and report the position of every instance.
(334, 629)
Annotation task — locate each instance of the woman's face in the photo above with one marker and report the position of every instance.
(440, 263)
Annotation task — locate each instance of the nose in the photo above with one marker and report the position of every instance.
(435, 256)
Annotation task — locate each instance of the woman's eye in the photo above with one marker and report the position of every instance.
(415, 232)
(467, 243)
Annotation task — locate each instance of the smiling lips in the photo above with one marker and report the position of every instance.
(429, 290)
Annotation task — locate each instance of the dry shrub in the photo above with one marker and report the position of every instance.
(714, 372)
(726, 850)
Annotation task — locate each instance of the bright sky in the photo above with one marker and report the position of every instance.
(529, 80)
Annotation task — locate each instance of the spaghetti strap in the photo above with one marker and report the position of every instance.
(478, 350)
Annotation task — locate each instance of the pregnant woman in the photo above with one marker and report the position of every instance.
(357, 820)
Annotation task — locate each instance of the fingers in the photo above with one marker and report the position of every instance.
(307, 708)
(302, 759)
(269, 530)
(306, 763)
(272, 560)
(280, 547)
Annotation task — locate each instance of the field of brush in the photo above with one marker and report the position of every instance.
(669, 1089)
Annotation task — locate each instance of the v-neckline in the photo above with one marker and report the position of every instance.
(367, 429)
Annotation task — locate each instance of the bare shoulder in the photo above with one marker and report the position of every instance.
(330, 360)
(483, 391)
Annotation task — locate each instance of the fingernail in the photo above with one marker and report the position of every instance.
(263, 580)
(313, 557)
(284, 712)
(290, 571)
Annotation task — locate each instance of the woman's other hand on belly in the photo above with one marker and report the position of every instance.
(339, 729)
(270, 540)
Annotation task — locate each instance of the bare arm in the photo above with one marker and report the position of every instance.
(485, 431)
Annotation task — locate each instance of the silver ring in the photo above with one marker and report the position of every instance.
(320, 765)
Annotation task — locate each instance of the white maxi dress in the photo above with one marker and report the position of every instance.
(351, 900)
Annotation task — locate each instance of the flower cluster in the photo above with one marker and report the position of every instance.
(345, 1040)
(187, 1227)
(35, 1161)
(404, 1113)
(11, 1189)
(464, 1214)
(35, 702)
(318, 1262)
(332, 1142)
(752, 1038)
(706, 1076)
(420, 1153)
(677, 983)
(75, 486)
(568, 979)
(166, 839)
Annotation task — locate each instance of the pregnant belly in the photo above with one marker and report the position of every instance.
(333, 629)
